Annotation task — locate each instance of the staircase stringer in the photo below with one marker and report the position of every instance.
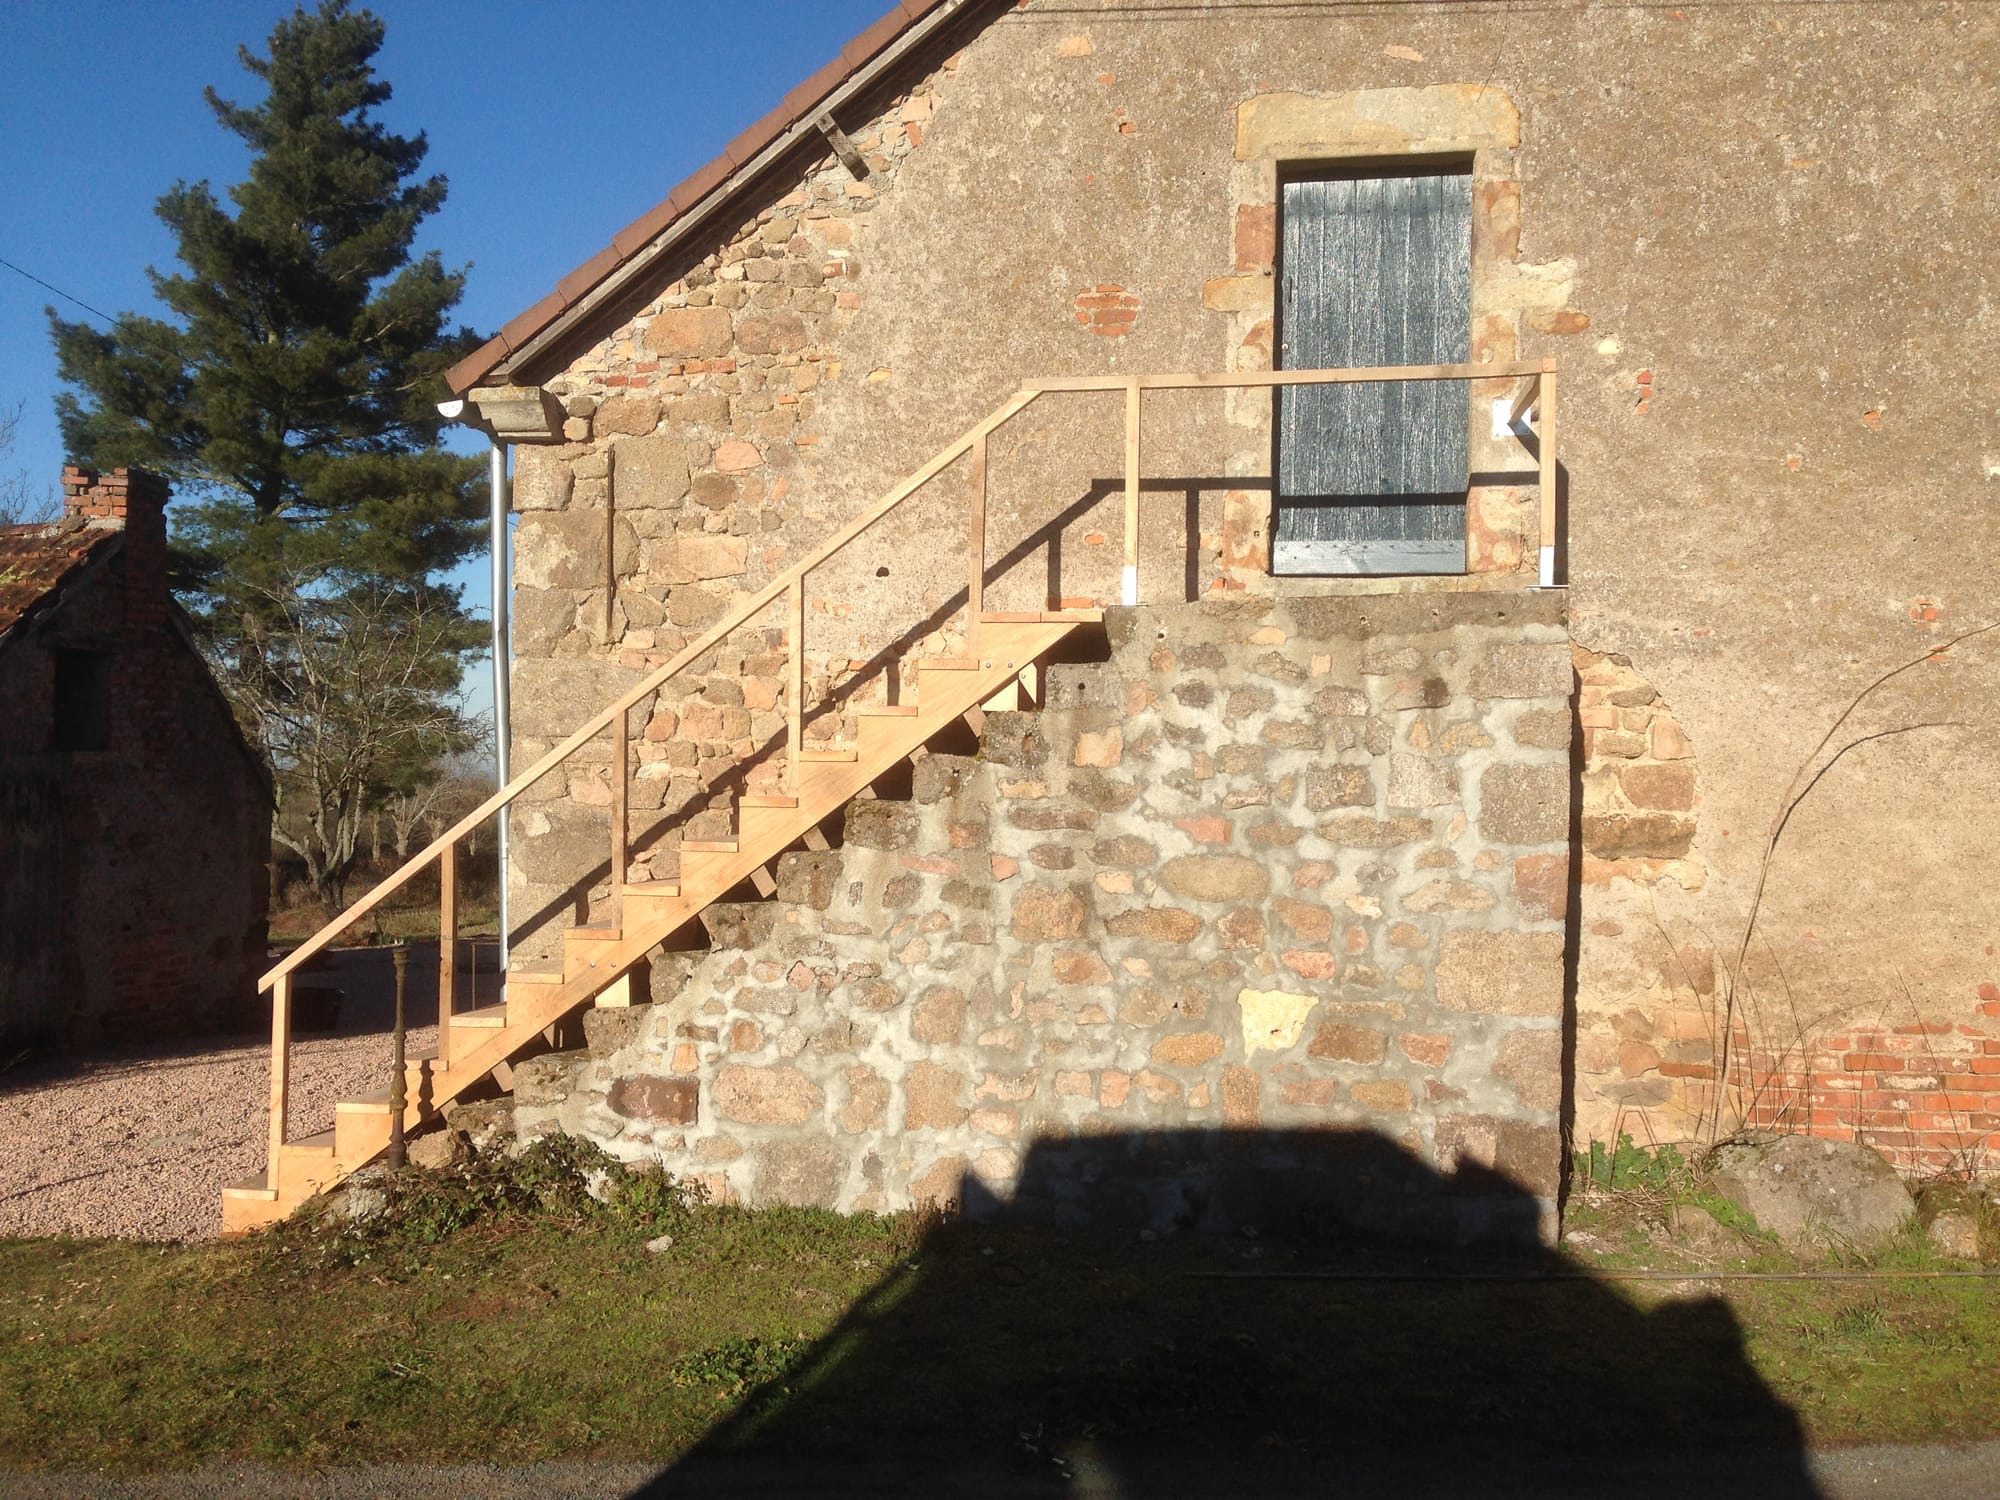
(943, 696)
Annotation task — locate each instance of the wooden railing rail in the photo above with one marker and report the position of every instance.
(1536, 390)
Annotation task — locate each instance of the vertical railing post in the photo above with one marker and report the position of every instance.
(620, 775)
(1547, 572)
(1131, 590)
(447, 946)
(399, 1062)
(795, 680)
(281, 1068)
(975, 588)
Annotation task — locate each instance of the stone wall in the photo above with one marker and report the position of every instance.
(1272, 865)
(1774, 491)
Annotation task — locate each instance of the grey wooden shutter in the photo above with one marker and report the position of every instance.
(1375, 271)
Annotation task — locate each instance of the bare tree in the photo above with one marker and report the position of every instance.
(21, 499)
(350, 696)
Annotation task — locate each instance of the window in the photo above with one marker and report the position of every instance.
(83, 700)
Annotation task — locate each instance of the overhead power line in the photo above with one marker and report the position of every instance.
(95, 312)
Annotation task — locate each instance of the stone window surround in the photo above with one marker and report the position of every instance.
(1281, 133)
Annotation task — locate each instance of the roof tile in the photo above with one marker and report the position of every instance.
(35, 559)
(643, 230)
(587, 275)
(875, 38)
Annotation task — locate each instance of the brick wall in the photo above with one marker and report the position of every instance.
(160, 878)
(1271, 867)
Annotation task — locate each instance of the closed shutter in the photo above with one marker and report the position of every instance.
(1375, 271)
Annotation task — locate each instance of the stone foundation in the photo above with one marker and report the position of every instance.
(1273, 870)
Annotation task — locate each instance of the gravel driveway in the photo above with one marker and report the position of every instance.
(139, 1141)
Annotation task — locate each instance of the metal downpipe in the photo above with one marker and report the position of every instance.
(502, 660)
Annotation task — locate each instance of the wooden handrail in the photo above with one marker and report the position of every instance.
(711, 638)
(1358, 375)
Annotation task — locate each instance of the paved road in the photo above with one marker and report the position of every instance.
(1940, 1472)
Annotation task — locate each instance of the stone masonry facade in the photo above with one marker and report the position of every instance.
(1275, 865)
(830, 331)
(686, 481)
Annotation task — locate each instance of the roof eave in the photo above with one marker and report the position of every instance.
(608, 276)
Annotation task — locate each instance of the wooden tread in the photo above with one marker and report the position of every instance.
(651, 888)
(595, 932)
(708, 846)
(314, 1145)
(1042, 617)
(252, 1188)
(765, 799)
(829, 756)
(494, 1016)
(886, 711)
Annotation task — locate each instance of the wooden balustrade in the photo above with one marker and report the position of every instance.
(1535, 391)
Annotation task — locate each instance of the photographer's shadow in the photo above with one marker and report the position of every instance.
(1350, 1323)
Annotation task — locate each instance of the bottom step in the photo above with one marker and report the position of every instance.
(251, 1189)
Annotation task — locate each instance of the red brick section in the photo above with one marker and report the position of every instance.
(1108, 311)
(694, 190)
(1927, 1096)
(138, 499)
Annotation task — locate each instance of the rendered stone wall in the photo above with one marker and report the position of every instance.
(1290, 864)
(1730, 226)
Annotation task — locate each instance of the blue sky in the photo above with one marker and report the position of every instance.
(556, 124)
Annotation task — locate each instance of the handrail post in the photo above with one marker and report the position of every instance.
(281, 1068)
(620, 757)
(795, 680)
(1131, 591)
(1546, 576)
(447, 946)
(975, 590)
(399, 1063)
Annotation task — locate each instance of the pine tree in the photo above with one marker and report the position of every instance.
(290, 391)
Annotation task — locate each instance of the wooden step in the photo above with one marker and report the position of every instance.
(311, 1145)
(708, 846)
(1082, 616)
(836, 755)
(766, 799)
(489, 1017)
(950, 664)
(251, 1190)
(886, 711)
(663, 889)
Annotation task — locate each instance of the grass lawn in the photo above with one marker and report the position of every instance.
(524, 1335)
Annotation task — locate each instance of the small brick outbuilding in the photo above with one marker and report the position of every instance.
(135, 821)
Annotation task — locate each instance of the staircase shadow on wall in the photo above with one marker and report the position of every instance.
(1020, 1352)
(652, 830)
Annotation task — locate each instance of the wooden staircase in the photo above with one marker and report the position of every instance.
(599, 959)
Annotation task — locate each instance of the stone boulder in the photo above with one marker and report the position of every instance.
(1813, 1194)
(1955, 1233)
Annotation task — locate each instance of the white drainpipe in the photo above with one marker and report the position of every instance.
(496, 476)
(503, 657)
